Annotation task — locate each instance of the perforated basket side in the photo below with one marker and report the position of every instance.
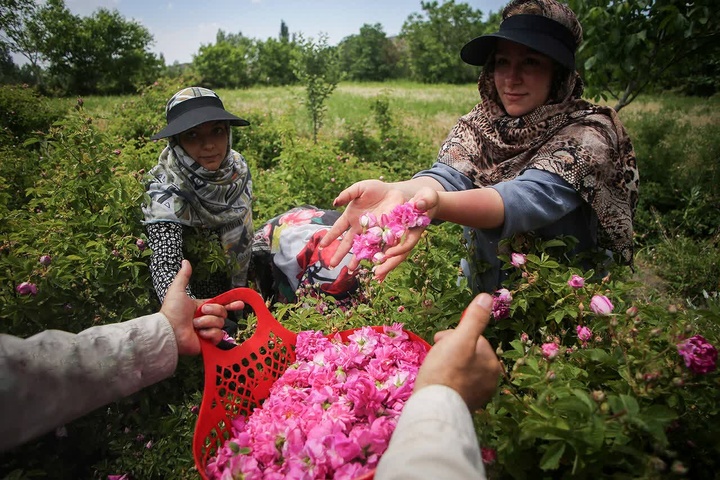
(238, 380)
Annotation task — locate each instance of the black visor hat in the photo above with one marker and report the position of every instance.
(540, 33)
(195, 111)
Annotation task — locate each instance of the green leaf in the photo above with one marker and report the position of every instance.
(551, 459)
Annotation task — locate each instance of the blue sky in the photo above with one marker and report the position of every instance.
(180, 27)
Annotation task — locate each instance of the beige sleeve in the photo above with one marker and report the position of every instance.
(434, 438)
(55, 377)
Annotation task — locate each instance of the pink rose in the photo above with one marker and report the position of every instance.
(550, 350)
(700, 355)
(27, 288)
(576, 281)
(489, 455)
(584, 333)
(601, 305)
(517, 259)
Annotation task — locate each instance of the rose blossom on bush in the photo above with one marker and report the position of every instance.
(501, 304)
(27, 288)
(550, 350)
(576, 281)
(517, 259)
(583, 333)
(700, 355)
(46, 260)
(489, 455)
(601, 305)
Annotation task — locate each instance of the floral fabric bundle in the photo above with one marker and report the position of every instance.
(331, 414)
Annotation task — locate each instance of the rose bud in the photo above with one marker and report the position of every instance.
(141, 244)
(46, 260)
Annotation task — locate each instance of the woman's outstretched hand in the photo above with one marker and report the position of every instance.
(371, 196)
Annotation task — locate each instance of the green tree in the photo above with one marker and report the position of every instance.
(434, 41)
(317, 65)
(274, 62)
(229, 63)
(629, 46)
(284, 32)
(19, 33)
(103, 53)
(368, 56)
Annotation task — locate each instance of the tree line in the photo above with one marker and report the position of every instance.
(629, 47)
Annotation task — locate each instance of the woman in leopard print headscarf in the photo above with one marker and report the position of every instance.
(532, 156)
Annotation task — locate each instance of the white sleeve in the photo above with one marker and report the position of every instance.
(55, 377)
(434, 438)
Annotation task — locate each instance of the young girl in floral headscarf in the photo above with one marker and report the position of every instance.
(532, 156)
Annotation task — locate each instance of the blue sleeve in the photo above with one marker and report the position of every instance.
(449, 178)
(535, 199)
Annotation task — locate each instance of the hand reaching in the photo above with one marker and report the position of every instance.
(179, 309)
(463, 359)
(366, 196)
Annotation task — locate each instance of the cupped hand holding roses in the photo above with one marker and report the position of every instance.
(377, 198)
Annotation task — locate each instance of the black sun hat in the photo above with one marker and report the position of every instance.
(540, 33)
(192, 106)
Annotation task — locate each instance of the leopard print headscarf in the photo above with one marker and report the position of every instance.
(583, 143)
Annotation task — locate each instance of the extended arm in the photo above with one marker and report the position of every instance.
(435, 436)
(55, 377)
(165, 239)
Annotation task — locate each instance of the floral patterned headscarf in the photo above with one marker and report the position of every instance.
(583, 143)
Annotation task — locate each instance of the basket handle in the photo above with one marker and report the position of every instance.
(265, 320)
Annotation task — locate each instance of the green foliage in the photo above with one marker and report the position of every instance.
(390, 148)
(628, 46)
(621, 404)
(227, 63)
(82, 193)
(368, 55)
(318, 68)
(23, 112)
(85, 54)
(434, 41)
(274, 62)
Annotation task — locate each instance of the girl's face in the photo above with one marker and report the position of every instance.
(207, 143)
(523, 77)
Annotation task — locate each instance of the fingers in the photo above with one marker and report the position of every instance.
(338, 228)
(205, 322)
(343, 248)
(381, 271)
(213, 335)
(441, 334)
(475, 317)
(236, 305)
(214, 309)
(347, 195)
(182, 279)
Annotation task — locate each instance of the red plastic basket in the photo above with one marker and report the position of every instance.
(238, 380)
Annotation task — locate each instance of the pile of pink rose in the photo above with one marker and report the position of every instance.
(331, 413)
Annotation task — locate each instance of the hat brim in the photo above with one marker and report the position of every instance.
(197, 116)
(540, 33)
(478, 50)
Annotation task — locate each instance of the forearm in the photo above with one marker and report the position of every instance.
(477, 208)
(434, 438)
(55, 377)
(166, 241)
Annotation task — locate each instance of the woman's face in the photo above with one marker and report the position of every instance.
(523, 77)
(207, 143)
